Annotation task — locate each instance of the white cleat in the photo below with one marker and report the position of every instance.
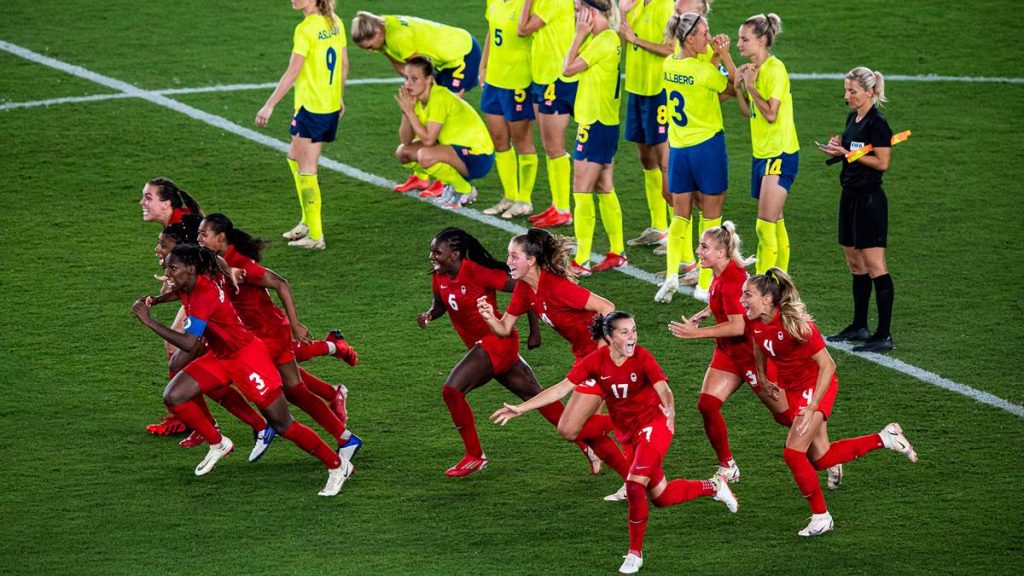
(593, 459)
(661, 249)
(631, 564)
(667, 290)
(499, 208)
(724, 494)
(835, 477)
(261, 441)
(893, 439)
(517, 209)
(447, 196)
(299, 231)
(819, 524)
(690, 274)
(701, 294)
(617, 496)
(217, 451)
(336, 478)
(730, 473)
(309, 244)
(649, 237)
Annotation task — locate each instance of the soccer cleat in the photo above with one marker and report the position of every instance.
(617, 496)
(555, 220)
(701, 294)
(498, 208)
(593, 459)
(336, 478)
(661, 249)
(875, 345)
(342, 350)
(610, 262)
(458, 200)
(467, 466)
(730, 473)
(413, 183)
(446, 197)
(338, 405)
(724, 494)
(167, 426)
(433, 191)
(631, 564)
(545, 214)
(835, 476)
(217, 451)
(261, 441)
(309, 244)
(819, 524)
(649, 237)
(297, 232)
(689, 274)
(350, 448)
(893, 439)
(851, 334)
(580, 271)
(517, 209)
(192, 440)
(667, 290)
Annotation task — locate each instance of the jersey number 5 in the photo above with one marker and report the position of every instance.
(332, 63)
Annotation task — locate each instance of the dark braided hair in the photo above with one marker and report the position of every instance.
(553, 253)
(601, 327)
(244, 243)
(184, 232)
(203, 259)
(469, 248)
(168, 191)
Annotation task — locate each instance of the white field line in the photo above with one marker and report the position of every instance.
(357, 174)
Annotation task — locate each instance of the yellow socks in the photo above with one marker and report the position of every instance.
(706, 273)
(611, 217)
(655, 202)
(560, 180)
(309, 192)
(505, 164)
(584, 219)
(782, 261)
(527, 176)
(680, 245)
(294, 167)
(449, 175)
(767, 245)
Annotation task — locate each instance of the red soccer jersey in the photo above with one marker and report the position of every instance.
(627, 389)
(253, 303)
(177, 214)
(791, 356)
(724, 299)
(461, 293)
(560, 304)
(209, 314)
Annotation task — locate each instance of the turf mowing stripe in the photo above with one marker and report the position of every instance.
(357, 174)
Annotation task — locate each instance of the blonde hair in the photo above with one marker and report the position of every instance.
(869, 80)
(326, 9)
(365, 25)
(780, 288)
(726, 237)
(702, 6)
(765, 26)
(681, 26)
(610, 10)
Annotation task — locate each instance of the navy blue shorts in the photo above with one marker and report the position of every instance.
(784, 166)
(700, 168)
(596, 143)
(511, 104)
(316, 127)
(477, 165)
(555, 98)
(466, 75)
(642, 124)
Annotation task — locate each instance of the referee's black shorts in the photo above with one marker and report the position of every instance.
(863, 218)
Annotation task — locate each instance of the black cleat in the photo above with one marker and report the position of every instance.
(851, 334)
(875, 345)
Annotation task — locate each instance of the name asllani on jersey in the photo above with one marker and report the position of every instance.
(327, 35)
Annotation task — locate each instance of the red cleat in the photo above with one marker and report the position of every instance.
(413, 183)
(434, 191)
(581, 271)
(545, 214)
(610, 262)
(338, 404)
(467, 466)
(168, 426)
(343, 350)
(192, 440)
(555, 220)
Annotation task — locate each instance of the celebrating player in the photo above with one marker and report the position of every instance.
(628, 378)
(784, 332)
(235, 355)
(442, 135)
(765, 98)
(318, 69)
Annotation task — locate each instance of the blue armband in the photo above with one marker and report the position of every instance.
(195, 326)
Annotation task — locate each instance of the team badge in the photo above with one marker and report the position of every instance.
(463, 289)
(780, 335)
(632, 377)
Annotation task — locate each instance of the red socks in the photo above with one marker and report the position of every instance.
(462, 416)
(636, 497)
(714, 426)
(848, 449)
(192, 415)
(552, 412)
(315, 407)
(313, 349)
(680, 490)
(233, 401)
(608, 451)
(318, 386)
(305, 438)
(806, 479)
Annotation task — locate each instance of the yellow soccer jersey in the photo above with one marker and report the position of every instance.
(643, 68)
(508, 59)
(552, 41)
(460, 124)
(691, 90)
(446, 46)
(597, 98)
(318, 87)
(771, 139)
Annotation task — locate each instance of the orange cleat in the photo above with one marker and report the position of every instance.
(581, 271)
(168, 426)
(338, 404)
(467, 466)
(610, 262)
(192, 440)
(343, 350)
(555, 220)
(545, 214)
(435, 190)
(413, 183)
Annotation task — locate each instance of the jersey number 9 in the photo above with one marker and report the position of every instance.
(332, 62)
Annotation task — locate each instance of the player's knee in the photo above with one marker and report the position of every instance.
(636, 490)
(568, 431)
(708, 404)
(426, 158)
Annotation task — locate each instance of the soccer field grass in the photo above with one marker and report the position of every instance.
(87, 490)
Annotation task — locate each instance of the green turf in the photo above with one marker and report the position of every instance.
(87, 490)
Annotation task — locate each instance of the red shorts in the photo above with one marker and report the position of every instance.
(647, 447)
(800, 399)
(250, 369)
(740, 361)
(503, 352)
(280, 348)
